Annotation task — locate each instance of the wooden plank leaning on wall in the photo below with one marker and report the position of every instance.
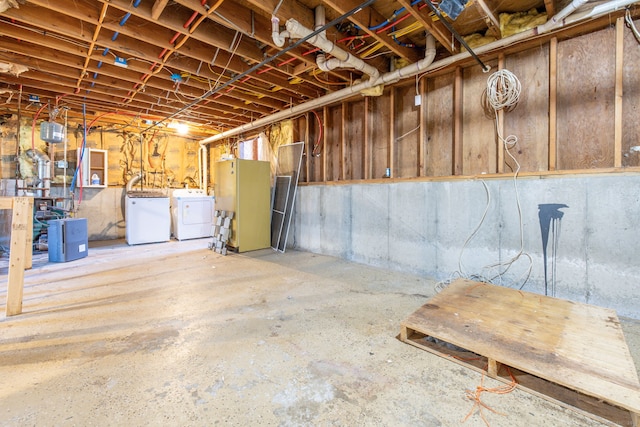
(20, 255)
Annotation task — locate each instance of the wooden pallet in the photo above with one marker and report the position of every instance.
(573, 354)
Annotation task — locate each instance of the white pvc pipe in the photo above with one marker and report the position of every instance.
(557, 19)
(278, 37)
(413, 69)
(394, 76)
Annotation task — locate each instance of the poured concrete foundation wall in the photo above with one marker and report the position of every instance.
(592, 246)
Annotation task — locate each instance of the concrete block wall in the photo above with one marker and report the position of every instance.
(421, 227)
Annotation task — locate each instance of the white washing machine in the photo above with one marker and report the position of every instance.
(191, 213)
(147, 216)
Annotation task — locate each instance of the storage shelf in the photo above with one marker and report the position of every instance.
(94, 161)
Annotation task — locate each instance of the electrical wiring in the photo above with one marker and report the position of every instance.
(316, 151)
(404, 135)
(629, 20)
(326, 82)
(503, 93)
(369, 50)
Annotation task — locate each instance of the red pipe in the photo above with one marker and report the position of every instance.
(309, 52)
(190, 20)
(286, 62)
(397, 21)
(175, 37)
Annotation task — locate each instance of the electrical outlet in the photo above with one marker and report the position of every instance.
(418, 100)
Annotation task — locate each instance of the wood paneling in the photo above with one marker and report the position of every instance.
(354, 139)
(333, 143)
(631, 101)
(439, 124)
(585, 105)
(407, 122)
(529, 121)
(479, 152)
(379, 132)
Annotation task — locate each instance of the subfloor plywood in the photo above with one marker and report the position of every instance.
(577, 346)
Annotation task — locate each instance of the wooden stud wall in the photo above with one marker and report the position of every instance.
(530, 120)
(438, 101)
(586, 96)
(479, 142)
(630, 100)
(380, 126)
(578, 111)
(407, 135)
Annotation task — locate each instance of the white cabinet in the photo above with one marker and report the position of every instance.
(94, 168)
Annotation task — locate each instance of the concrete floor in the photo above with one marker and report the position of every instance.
(174, 334)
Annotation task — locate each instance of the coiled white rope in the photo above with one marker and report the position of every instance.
(503, 90)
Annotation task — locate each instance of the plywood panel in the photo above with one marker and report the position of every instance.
(378, 134)
(407, 122)
(479, 154)
(578, 346)
(586, 95)
(354, 143)
(631, 101)
(529, 121)
(333, 143)
(439, 124)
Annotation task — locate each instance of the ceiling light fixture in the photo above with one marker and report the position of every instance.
(180, 128)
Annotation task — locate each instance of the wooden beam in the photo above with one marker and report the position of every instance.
(553, 94)
(20, 252)
(490, 19)
(500, 126)
(550, 7)
(391, 153)
(367, 159)
(423, 138)
(325, 124)
(367, 17)
(436, 28)
(308, 145)
(457, 123)
(158, 8)
(617, 141)
(344, 118)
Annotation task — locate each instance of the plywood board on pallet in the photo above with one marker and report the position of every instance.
(407, 122)
(354, 140)
(529, 121)
(577, 346)
(378, 134)
(631, 101)
(479, 153)
(439, 123)
(585, 101)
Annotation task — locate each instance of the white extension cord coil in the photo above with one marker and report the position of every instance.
(503, 90)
